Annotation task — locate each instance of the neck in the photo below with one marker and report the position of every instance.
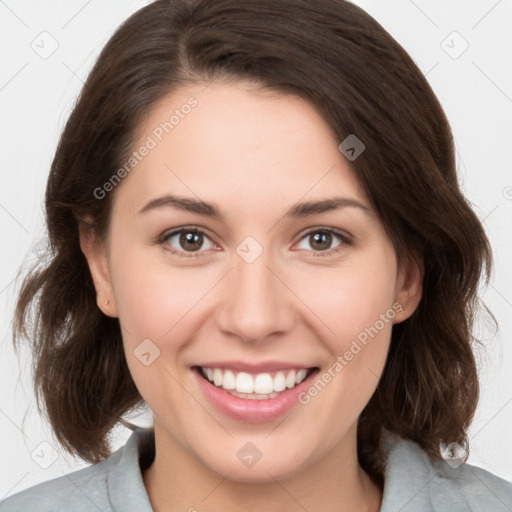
(178, 481)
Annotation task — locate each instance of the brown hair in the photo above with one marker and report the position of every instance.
(362, 82)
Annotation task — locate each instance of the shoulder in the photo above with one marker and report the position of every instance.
(413, 481)
(110, 485)
(78, 491)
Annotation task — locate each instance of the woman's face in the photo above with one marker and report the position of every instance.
(292, 273)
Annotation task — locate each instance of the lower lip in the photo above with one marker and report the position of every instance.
(254, 411)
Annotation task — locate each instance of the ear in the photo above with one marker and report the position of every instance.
(409, 287)
(96, 255)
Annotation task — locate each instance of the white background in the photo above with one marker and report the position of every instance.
(36, 95)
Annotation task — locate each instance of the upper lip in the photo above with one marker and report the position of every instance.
(252, 367)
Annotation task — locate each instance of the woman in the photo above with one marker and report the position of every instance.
(257, 231)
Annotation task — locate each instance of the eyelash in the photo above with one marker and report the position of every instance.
(346, 240)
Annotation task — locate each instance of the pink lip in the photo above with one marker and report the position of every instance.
(254, 411)
(249, 367)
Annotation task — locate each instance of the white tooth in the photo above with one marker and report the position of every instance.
(263, 384)
(217, 377)
(244, 383)
(229, 380)
(279, 382)
(209, 374)
(301, 375)
(290, 379)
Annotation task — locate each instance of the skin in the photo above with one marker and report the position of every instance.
(254, 153)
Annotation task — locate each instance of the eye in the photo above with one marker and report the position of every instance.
(193, 241)
(186, 240)
(320, 240)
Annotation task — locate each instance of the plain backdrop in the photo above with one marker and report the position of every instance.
(47, 48)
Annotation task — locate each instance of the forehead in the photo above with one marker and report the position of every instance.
(239, 145)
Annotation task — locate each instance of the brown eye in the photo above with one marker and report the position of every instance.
(187, 240)
(320, 241)
(324, 240)
(191, 241)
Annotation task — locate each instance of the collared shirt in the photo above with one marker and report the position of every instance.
(413, 482)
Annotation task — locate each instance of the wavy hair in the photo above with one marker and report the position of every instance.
(362, 82)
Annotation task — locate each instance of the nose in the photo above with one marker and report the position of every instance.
(257, 302)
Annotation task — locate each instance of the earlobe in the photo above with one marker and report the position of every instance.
(96, 256)
(409, 288)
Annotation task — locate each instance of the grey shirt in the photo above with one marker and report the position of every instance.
(413, 482)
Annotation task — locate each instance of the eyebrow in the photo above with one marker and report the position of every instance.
(211, 210)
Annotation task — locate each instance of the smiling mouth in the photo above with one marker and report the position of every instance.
(259, 386)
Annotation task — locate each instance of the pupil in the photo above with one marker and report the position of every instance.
(191, 240)
(321, 240)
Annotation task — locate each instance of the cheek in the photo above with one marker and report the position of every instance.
(356, 304)
(156, 306)
(352, 299)
(153, 298)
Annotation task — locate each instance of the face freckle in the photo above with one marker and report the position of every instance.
(257, 289)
